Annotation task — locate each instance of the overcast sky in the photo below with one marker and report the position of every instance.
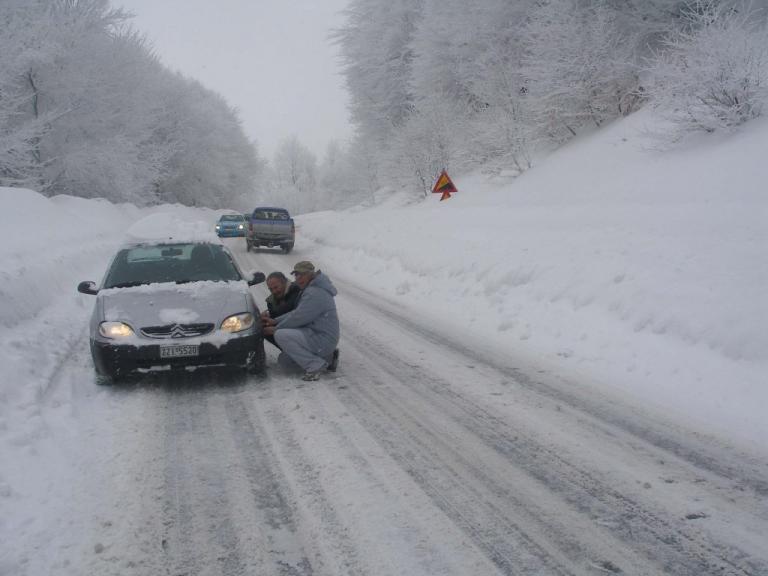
(271, 59)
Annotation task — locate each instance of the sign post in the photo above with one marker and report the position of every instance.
(444, 186)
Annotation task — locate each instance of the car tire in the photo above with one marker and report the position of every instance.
(287, 248)
(248, 246)
(103, 380)
(257, 362)
(109, 377)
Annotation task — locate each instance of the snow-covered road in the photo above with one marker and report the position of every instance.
(422, 455)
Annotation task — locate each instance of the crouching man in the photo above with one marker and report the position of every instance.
(309, 334)
(283, 297)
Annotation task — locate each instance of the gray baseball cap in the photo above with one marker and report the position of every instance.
(303, 267)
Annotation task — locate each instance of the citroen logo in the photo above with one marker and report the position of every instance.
(177, 332)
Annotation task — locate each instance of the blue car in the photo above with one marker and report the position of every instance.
(231, 225)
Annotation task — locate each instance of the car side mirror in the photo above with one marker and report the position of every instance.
(258, 278)
(87, 287)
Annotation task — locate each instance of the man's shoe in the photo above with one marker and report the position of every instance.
(334, 363)
(310, 376)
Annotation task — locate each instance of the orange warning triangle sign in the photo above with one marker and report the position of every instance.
(444, 186)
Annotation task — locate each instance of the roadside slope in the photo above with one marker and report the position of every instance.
(610, 262)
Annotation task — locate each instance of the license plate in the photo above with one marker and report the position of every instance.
(178, 351)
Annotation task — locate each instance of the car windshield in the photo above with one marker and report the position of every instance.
(231, 218)
(180, 263)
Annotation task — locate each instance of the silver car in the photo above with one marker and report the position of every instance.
(165, 305)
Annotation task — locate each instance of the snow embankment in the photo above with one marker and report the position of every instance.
(610, 263)
(47, 246)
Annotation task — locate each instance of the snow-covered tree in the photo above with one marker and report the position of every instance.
(86, 109)
(580, 66)
(713, 72)
(376, 49)
(295, 168)
(487, 83)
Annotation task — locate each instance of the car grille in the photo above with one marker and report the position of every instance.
(176, 330)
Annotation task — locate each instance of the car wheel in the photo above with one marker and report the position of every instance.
(247, 246)
(109, 377)
(257, 360)
(103, 380)
(287, 248)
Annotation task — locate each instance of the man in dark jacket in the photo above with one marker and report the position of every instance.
(308, 334)
(283, 297)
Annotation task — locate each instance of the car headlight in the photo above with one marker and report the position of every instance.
(114, 330)
(218, 226)
(240, 226)
(238, 322)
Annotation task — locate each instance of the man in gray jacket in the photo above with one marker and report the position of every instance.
(309, 334)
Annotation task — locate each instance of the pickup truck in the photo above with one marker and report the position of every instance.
(270, 227)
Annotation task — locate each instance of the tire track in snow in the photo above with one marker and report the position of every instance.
(200, 538)
(378, 520)
(267, 490)
(482, 500)
(329, 552)
(683, 550)
(747, 471)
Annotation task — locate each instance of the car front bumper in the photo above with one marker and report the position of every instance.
(119, 359)
(232, 233)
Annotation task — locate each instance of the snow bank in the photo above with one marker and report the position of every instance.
(47, 246)
(610, 263)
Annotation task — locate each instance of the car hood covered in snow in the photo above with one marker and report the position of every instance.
(164, 304)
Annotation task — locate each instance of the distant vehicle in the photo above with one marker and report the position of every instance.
(271, 227)
(231, 225)
(174, 304)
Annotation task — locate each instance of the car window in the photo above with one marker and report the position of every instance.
(231, 218)
(180, 263)
(270, 215)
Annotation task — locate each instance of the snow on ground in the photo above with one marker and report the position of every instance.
(611, 264)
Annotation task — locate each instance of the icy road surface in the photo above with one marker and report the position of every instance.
(423, 455)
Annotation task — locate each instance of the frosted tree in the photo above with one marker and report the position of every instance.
(485, 84)
(426, 145)
(580, 66)
(445, 50)
(502, 129)
(333, 176)
(295, 169)
(215, 163)
(106, 142)
(27, 42)
(713, 72)
(86, 109)
(376, 51)
(364, 176)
